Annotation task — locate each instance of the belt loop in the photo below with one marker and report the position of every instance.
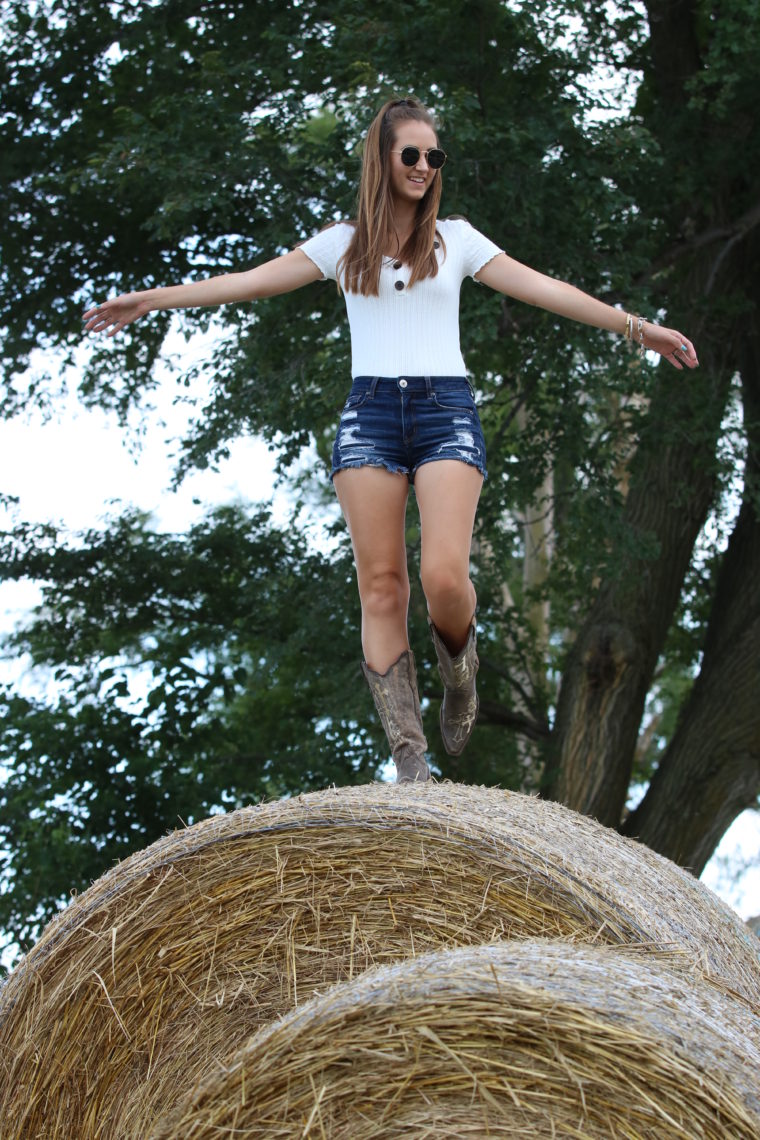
(428, 387)
(373, 387)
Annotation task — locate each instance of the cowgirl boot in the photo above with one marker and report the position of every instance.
(459, 709)
(398, 706)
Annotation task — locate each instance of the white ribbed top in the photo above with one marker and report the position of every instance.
(403, 331)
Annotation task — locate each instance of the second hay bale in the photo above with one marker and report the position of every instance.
(531, 1039)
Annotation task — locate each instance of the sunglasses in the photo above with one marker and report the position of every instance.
(410, 156)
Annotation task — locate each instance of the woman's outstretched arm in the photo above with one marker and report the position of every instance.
(508, 276)
(281, 275)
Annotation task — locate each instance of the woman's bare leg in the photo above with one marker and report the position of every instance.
(447, 493)
(373, 502)
(374, 505)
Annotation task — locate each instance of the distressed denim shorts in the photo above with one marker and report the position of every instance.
(401, 422)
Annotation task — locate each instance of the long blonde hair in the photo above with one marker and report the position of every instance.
(374, 231)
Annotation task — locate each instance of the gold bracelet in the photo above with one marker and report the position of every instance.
(634, 330)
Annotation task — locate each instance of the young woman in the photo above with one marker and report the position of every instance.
(410, 415)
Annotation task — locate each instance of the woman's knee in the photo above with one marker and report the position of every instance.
(384, 594)
(446, 587)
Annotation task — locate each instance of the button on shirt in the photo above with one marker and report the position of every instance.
(407, 331)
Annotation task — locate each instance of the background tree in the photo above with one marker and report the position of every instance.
(147, 143)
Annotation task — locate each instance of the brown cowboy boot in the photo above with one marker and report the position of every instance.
(398, 706)
(459, 709)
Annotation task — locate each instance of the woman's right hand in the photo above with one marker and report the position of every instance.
(114, 315)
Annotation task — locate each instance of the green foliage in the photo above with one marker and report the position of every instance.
(189, 674)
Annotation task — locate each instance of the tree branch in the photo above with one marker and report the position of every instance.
(488, 663)
(729, 234)
(491, 712)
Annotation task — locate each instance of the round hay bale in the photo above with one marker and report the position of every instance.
(176, 956)
(523, 1039)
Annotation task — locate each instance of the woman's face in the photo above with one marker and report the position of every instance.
(410, 183)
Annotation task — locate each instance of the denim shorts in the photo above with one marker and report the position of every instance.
(401, 422)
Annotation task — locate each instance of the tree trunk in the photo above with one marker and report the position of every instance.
(710, 771)
(610, 667)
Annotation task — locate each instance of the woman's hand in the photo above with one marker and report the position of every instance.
(112, 316)
(673, 346)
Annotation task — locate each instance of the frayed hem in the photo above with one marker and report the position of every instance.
(391, 468)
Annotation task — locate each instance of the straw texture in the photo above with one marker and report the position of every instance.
(168, 964)
(523, 1039)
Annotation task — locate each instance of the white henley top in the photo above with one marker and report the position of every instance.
(403, 331)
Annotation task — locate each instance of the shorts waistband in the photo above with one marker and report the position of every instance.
(415, 383)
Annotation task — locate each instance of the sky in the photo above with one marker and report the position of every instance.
(79, 467)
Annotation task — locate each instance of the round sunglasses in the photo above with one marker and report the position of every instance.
(410, 156)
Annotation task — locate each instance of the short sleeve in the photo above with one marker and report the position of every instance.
(478, 249)
(327, 247)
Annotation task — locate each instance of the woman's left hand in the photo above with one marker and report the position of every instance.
(672, 345)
